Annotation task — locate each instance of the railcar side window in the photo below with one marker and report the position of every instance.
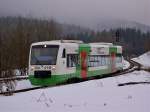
(72, 60)
(97, 60)
(118, 58)
(103, 60)
(64, 53)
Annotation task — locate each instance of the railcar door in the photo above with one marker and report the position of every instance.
(113, 62)
(84, 50)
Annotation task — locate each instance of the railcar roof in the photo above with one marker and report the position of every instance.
(75, 43)
(47, 42)
(98, 45)
(102, 43)
(59, 42)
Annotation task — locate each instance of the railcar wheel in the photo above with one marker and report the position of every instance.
(73, 80)
(97, 76)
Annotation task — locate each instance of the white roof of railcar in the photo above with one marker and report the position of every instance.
(74, 43)
(47, 42)
(59, 42)
(101, 43)
(105, 44)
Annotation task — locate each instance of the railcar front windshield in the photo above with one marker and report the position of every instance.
(44, 54)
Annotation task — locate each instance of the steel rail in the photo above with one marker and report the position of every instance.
(13, 79)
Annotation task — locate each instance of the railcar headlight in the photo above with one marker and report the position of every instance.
(32, 68)
(53, 68)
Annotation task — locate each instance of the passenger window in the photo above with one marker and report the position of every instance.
(72, 60)
(97, 60)
(64, 53)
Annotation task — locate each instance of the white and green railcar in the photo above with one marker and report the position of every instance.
(53, 62)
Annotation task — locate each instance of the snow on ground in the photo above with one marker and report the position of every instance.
(143, 59)
(91, 96)
(102, 95)
(126, 64)
(23, 84)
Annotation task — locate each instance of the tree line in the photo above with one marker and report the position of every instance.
(17, 34)
(134, 41)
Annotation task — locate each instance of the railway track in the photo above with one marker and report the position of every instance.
(13, 78)
(133, 66)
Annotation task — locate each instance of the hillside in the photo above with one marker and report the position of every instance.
(18, 33)
(144, 59)
(114, 24)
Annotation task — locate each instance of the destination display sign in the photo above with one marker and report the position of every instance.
(101, 50)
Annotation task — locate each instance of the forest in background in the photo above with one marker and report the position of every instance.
(17, 34)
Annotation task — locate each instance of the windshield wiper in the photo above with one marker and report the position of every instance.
(37, 61)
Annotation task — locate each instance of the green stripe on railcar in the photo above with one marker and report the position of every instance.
(56, 79)
(113, 49)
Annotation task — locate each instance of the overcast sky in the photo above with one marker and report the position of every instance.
(79, 10)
